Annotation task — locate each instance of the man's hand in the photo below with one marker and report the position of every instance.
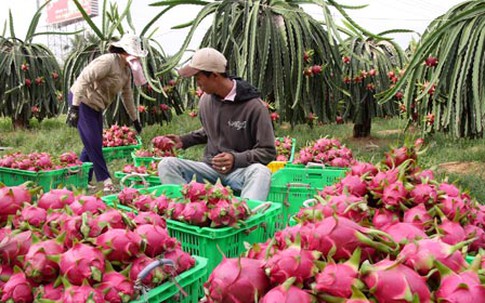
(73, 116)
(137, 126)
(176, 139)
(223, 163)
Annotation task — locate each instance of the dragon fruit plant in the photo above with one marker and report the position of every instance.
(82, 252)
(39, 161)
(119, 136)
(327, 151)
(284, 146)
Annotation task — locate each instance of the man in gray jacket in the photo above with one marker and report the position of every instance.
(236, 128)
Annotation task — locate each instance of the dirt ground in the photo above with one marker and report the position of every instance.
(468, 168)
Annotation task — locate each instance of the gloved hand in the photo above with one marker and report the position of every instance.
(137, 126)
(73, 116)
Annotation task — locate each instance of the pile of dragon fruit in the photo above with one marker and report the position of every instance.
(39, 161)
(119, 136)
(163, 146)
(67, 247)
(283, 148)
(385, 233)
(205, 205)
(327, 151)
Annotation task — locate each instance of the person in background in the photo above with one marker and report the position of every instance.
(95, 89)
(236, 128)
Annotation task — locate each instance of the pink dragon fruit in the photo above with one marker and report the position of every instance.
(383, 217)
(354, 185)
(397, 156)
(83, 293)
(160, 204)
(82, 262)
(127, 195)
(194, 191)
(478, 234)
(49, 291)
(394, 194)
(449, 190)
(56, 199)
(223, 214)
(292, 262)
(287, 294)
(183, 261)
(15, 245)
(154, 278)
(156, 239)
(149, 217)
(421, 255)
(143, 202)
(218, 191)
(111, 218)
(460, 288)
(383, 179)
(53, 224)
(419, 216)
(424, 193)
(6, 271)
(119, 245)
(237, 280)
(348, 206)
(175, 210)
(90, 204)
(33, 215)
(11, 200)
(37, 263)
(363, 168)
(116, 287)
(336, 279)
(18, 289)
(196, 213)
(451, 232)
(404, 232)
(453, 207)
(405, 282)
(260, 251)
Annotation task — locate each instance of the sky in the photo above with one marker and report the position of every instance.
(378, 16)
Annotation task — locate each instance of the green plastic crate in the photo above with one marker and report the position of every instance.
(136, 180)
(70, 177)
(213, 243)
(190, 281)
(120, 152)
(291, 186)
(143, 161)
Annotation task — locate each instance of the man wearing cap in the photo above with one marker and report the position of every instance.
(236, 128)
(95, 89)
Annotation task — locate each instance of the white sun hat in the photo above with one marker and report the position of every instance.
(131, 44)
(204, 59)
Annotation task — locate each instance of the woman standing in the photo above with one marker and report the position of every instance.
(95, 89)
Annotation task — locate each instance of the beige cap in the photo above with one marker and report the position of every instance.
(206, 59)
(131, 44)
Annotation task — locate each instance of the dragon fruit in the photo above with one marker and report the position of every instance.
(259, 251)
(383, 217)
(37, 263)
(336, 279)
(156, 238)
(119, 245)
(419, 216)
(223, 214)
(56, 199)
(194, 191)
(11, 200)
(33, 215)
(83, 293)
(111, 218)
(421, 255)
(423, 194)
(451, 232)
(403, 232)
(217, 192)
(49, 291)
(363, 168)
(160, 204)
(182, 260)
(6, 271)
(127, 195)
(460, 288)
(406, 283)
(15, 245)
(236, 280)
(354, 185)
(154, 278)
(90, 204)
(149, 217)
(82, 262)
(53, 223)
(394, 194)
(287, 294)
(17, 289)
(142, 202)
(292, 262)
(449, 190)
(478, 234)
(116, 287)
(195, 213)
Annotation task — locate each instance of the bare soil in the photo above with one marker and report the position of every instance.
(465, 168)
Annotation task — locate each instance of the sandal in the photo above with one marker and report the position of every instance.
(109, 188)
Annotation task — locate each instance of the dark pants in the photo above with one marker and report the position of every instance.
(90, 127)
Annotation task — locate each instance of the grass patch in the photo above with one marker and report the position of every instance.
(459, 160)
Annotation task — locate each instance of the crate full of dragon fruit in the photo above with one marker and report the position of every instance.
(291, 186)
(119, 142)
(207, 219)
